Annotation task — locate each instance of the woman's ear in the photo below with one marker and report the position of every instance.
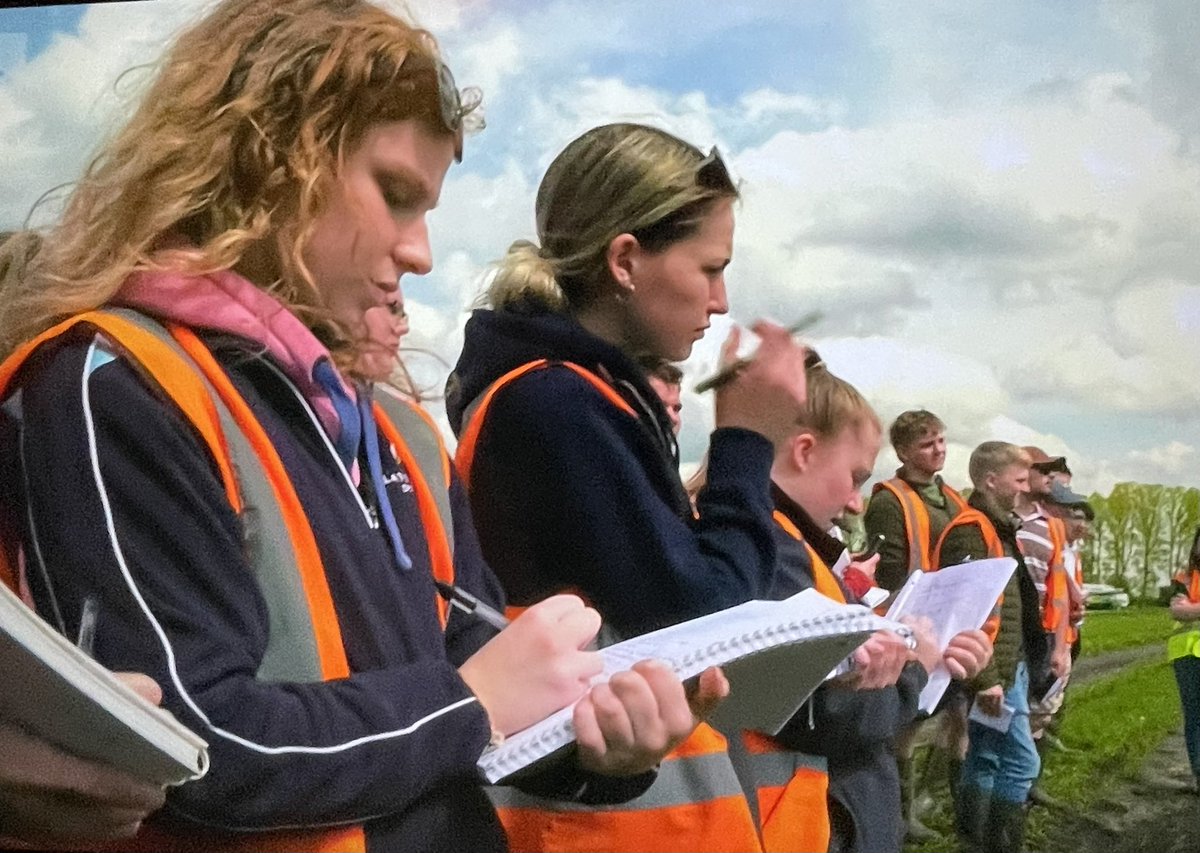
(622, 258)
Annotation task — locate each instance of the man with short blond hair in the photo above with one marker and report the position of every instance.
(1000, 767)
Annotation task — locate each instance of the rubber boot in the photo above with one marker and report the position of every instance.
(1037, 795)
(1004, 830)
(971, 810)
(914, 830)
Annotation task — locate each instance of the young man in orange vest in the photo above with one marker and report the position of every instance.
(1043, 541)
(910, 511)
(1000, 766)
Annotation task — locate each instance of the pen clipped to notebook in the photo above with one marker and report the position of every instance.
(468, 603)
(731, 369)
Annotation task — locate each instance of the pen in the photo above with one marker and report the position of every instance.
(730, 370)
(876, 544)
(86, 639)
(468, 603)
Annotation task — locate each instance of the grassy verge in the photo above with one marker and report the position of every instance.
(1115, 722)
(1111, 630)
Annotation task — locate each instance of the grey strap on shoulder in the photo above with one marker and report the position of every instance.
(427, 448)
(291, 652)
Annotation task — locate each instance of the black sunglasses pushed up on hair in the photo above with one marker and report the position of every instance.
(712, 173)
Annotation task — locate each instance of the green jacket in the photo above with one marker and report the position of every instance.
(884, 515)
(1020, 635)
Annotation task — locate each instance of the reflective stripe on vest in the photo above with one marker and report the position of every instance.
(1056, 605)
(304, 637)
(787, 790)
(1185, 641)
(696, 803)
(916, 520)
(995, 548)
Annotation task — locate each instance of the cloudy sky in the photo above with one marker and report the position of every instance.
(996, 206)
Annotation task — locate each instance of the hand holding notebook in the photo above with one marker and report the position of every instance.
(70, 700)
(774, 653)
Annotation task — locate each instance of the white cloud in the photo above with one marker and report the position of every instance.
(990, 217)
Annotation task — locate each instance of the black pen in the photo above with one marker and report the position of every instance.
(86, 640)
(468, 603)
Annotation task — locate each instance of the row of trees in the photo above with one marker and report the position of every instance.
(1141, 535)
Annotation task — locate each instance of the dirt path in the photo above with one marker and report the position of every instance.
(1153, 813)
(1097, 666)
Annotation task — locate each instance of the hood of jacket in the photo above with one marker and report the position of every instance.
(226, 302)
(496, 342)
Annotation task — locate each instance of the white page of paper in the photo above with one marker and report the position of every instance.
(955, 599)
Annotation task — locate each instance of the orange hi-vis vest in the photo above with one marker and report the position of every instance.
(305, 641)
(696, 803)
(1056, 604)
(788, 790)
(995, 548)
(916, 520)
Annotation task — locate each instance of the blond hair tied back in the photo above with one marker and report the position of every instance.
(529, 281)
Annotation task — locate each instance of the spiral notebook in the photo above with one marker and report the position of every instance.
(56, 691)
(774, 653)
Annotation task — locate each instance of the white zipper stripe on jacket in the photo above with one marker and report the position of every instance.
(316, 422)
(168, 649)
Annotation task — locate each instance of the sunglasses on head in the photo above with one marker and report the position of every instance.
(712, 173)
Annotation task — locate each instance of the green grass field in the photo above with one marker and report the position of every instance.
(1111, 630)
(1115, 722)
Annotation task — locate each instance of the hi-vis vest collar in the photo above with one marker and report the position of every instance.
(823, 579)
(916, 520)
(305, 642)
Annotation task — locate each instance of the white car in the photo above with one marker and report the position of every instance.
(1103, 596)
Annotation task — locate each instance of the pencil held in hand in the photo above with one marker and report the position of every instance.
(730, 370)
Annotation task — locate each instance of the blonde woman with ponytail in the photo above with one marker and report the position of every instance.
(569, 453)
(192, 440)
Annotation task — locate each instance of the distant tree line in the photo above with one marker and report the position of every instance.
(1141, 536)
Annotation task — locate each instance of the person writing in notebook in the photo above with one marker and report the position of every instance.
(851, 723)
(209, 455)
(568, 451)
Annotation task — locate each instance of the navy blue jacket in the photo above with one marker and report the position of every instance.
(393, 746)
(854, 729)
(571, 492)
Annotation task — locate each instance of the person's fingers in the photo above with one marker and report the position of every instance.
(730, 347)
(711, 690)
(612, 718)
(641, 707)
(671, 705)
(143, 685)
(587, 729)
(957, 670)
